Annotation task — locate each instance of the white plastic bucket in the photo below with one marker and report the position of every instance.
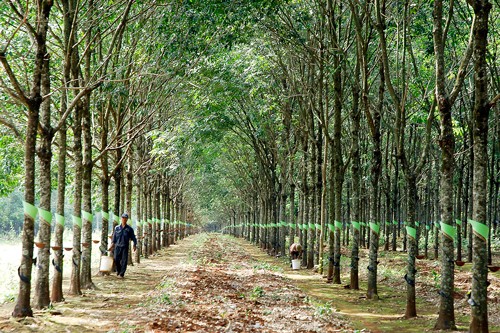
(295, 263)
(106, 264)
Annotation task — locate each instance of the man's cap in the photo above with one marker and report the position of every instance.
(125, 215)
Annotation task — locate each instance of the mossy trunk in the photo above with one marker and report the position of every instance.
(411, 271)
(479, 296)
(446, 319)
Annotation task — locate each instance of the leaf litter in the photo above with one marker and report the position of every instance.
(222, 289)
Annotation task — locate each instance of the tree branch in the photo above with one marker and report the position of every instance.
(494, 101)
(12, 77)
(73, 104)
(13, 127)
(463, 65)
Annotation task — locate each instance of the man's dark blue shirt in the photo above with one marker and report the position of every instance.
(123, 235)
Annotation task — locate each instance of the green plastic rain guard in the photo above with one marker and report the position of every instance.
(318, 226)
(458, 222)
(116, 218)
(87, 216)
(417, 224)
(395, 222)
(292, 225)
(338, 225)
(375, 227)
(311, 226)
(448, 230)
(480, 229)
(412, 232)
(77, 220)
(60, 219)
(105, 215)
(331, 226)
(356, 225)
(45, 215)
(30, 210)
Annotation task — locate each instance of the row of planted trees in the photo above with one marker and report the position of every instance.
(373, 120)
(79, 90)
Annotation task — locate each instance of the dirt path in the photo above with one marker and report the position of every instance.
(205, 283)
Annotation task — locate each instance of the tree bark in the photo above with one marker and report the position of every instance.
(478, 299)
(42, 297)
(75, 285)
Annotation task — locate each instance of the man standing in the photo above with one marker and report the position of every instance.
(295, 250)
(121, 239)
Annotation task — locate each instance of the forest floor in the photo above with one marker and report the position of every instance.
(215, 283)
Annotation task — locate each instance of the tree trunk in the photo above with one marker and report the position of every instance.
(168, 214)
(158, 216)
(446, 319)
(337, 165)
(478, 299)
(42, 297)
(376, 169)
(411, 308)
(145, 221)
(139, 205)
(56, 291)
(128, 200)
(355, 172)
(74, 288)
(86, 269)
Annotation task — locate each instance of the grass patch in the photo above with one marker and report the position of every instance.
(257, 292)
(323, 309)
(267, 266)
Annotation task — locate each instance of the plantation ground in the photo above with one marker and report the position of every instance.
(214, 283)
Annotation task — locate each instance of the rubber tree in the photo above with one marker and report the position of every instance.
(411, 169)
(482, 106)
(445, 102)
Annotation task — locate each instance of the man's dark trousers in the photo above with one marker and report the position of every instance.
(121, 258)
